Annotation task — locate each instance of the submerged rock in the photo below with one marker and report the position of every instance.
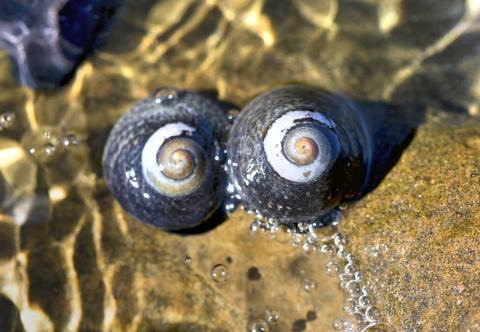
(417, 235)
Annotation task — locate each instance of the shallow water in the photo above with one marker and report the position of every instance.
(71, 259)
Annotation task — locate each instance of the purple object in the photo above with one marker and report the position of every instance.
(47, 40)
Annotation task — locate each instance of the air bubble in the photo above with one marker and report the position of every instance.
(359, 309)
(296, 239)
(338, 324)
(349, 268)
(231, 204)
(358, 276)
(365, 301)
(357, 318)
(7, 119)
(323, 234)
(272, 317)
(367, 289)
(309, 285)
(49, 149)
(232, 114)
(219, 273)
(165, 94)
(272, 227)
(303, 227)
(309, 248)
(344, 277)
(311, 239)
(332, 268)
(70, 141)
(328, 250)
(255, 226)
(282, 234)
(259, 326)
(372, 314)
(340, 240)
(343, 324)
(353, 288)
(349, 306)
(350, 258)
(341, 252)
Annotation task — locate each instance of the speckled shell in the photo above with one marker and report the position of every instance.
(122, 161)
(260, 186)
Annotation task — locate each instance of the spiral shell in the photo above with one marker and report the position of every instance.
(296, 153)
(163, 159)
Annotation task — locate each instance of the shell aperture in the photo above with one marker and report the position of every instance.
(163, 159)
(297, 153)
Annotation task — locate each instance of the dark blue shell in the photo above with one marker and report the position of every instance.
(48, 39)
(365, 137)
(122, 159)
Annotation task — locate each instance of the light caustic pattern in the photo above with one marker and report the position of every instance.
(72, 259)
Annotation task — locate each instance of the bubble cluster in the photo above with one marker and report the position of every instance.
(361, 314)
(42, 144)
(7, 119)
(45, 143)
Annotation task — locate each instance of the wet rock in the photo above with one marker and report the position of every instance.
(417, 235)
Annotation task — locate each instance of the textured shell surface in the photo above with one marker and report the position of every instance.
(163, 159)
(268, 182)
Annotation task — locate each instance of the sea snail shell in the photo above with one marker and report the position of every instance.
(296, 153)
(163, 159)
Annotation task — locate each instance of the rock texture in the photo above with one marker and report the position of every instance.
(417, 235)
